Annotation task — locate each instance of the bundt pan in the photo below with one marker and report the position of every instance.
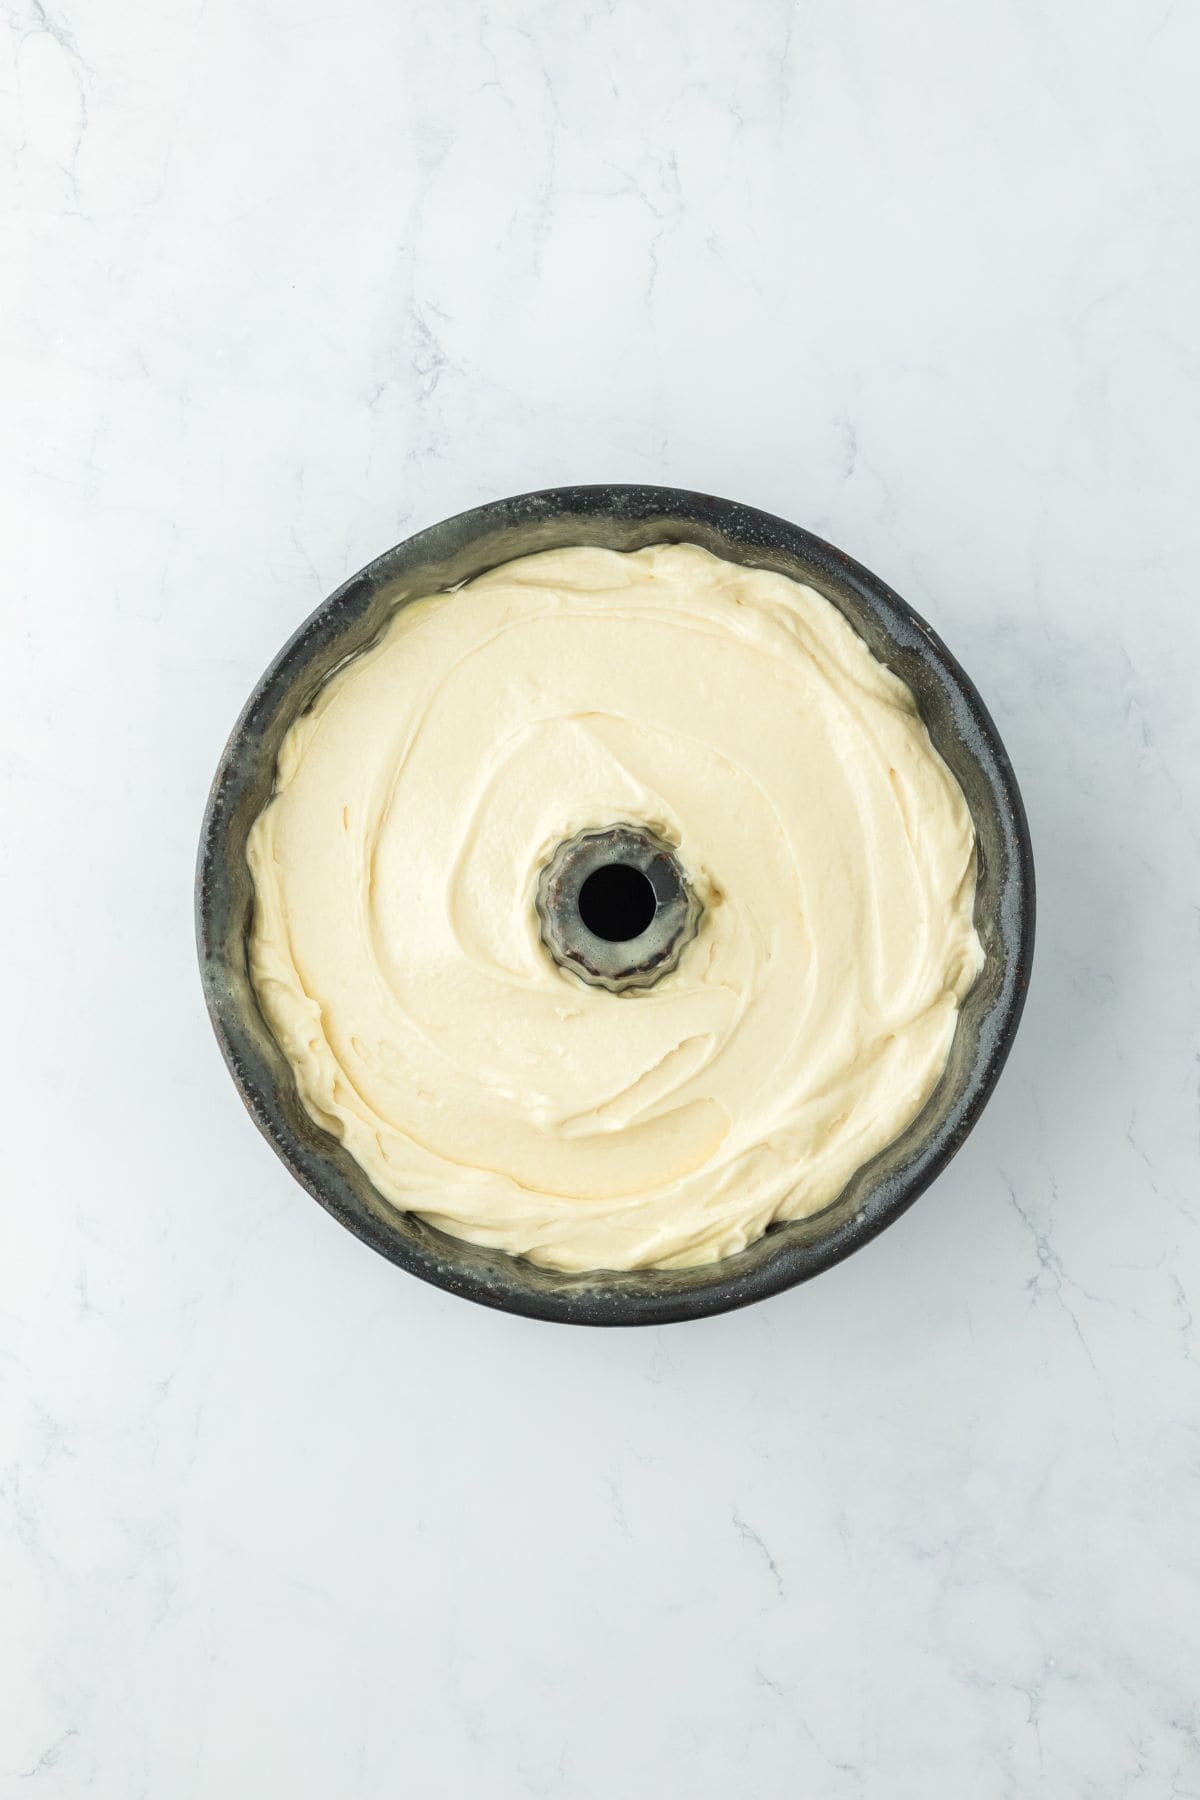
(618, 518)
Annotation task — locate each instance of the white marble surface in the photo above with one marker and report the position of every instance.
(285, 280)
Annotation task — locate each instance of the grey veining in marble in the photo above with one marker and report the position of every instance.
(283, 283)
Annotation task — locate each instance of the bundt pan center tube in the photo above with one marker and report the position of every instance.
(615, 903)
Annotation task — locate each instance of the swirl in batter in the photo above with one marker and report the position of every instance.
(396, 950)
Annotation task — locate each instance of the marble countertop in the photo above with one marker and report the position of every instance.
(286, 281)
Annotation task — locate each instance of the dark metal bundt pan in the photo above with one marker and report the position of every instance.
(618, 518)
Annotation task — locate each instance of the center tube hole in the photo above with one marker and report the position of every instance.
(617, 903)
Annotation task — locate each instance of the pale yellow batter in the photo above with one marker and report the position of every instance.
(396, 946)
